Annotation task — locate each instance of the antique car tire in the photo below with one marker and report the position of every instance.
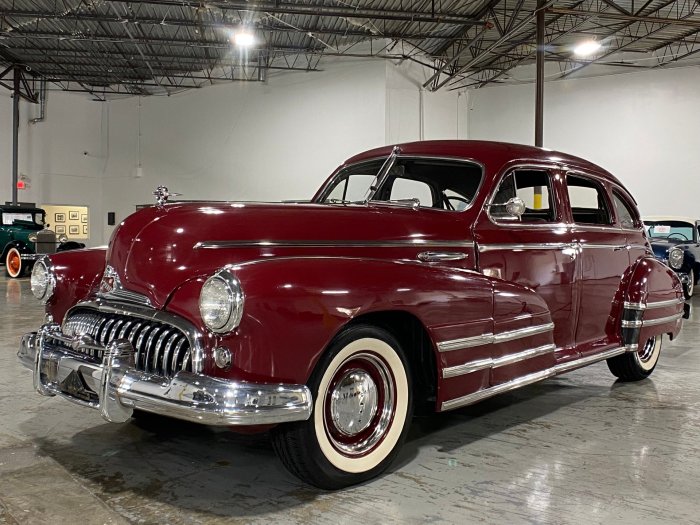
(690, 287)
(335, 447)
(635, 366)
(14, 266)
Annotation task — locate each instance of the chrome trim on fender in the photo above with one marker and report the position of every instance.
(193, 335)
(417, 243)
(485, 339)
(523, 332)
(528, 379)
(466, 342)
(656, 304)
(488, 363)
(651, 322)
(115, 388)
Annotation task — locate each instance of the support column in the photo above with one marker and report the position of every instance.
(15, 131)
(539, 81)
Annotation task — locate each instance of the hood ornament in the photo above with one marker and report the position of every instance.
(162, 195)
(110, 281)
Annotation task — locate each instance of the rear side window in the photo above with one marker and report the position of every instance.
(588, 202)
(626, 215)
(534, 188)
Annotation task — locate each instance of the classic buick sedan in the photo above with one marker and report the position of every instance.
(421, 277)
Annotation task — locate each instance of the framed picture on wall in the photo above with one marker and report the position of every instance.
(74, 215)
(85, 230)
(83, 218)
(73, 229)
(59, 217)
(60, 229)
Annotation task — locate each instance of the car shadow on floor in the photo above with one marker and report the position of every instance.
(157, 463)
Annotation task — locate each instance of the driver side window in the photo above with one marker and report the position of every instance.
(534, 188)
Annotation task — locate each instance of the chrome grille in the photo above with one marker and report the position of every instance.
(45, 241)
(161, 349)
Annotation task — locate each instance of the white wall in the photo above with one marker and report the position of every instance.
(643, 127)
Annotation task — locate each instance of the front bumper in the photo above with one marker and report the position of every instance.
(31, 256)
(115, 388)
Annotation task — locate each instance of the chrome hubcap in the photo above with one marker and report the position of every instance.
(359, 404)
(354, 402)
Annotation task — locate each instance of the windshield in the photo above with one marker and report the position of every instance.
(670, 230)
(433, 183)
(10, 218)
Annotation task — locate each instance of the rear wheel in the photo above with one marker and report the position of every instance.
(13, 263)
(362, 411)
(635, 366)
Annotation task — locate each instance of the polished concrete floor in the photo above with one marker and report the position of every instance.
(579, 448)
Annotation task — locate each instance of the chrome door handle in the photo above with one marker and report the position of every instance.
(441, 256)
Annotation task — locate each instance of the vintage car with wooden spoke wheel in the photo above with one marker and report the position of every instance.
(24, 238)
(420, 278)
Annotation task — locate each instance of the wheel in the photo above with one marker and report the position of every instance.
(635, 366)
(362, 411)
(689, 288)
(13, 263)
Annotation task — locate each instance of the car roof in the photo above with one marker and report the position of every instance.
(492, 154)
(660, 218)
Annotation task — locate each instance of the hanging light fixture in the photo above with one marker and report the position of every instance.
(243, 37)
(587, 48)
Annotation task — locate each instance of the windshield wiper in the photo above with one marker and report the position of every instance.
(382, 174)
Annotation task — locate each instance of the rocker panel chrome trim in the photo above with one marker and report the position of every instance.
(488, 363)
(485, 339)
(528, 379)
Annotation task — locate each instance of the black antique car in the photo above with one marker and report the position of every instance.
(24, 237)
(676, 242)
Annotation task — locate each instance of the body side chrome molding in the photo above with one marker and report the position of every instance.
(649, 306)
(488, 363)
(301, 243)
(441, 256)
(485, 339)
(651, 322)
(525, 246)
(528, 379)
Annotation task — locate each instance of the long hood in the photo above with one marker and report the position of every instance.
(661, 247)
(157, 249)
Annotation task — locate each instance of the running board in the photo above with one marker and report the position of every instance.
(529, 379)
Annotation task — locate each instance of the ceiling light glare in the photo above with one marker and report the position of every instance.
(243, 38)
(587, 48)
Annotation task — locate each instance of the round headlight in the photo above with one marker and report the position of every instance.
(675, 258)
(32, 237)
(62, 238)
(221, 302)
(43, 280)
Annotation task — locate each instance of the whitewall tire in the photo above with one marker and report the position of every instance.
(635, 366)
(13, 263)
(690, 287)
(362, 410)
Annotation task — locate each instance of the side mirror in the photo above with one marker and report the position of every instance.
(515, 207)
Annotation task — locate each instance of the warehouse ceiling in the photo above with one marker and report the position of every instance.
(145, 47)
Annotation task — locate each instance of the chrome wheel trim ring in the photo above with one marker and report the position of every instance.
(361, 441)
(690, 287)
(647, 350)
(648, 355)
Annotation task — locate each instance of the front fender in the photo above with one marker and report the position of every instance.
(295, 306)
(77, 273)
(21, 246)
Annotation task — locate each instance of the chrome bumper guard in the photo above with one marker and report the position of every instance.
(115, 388)
(31, 256)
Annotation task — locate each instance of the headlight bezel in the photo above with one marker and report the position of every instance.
(32, 237)
(62, 239)
(676, 258)
(50, 280)
(235, 301)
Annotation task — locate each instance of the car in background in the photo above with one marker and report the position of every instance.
(24, 237)
(676, 242)
(425, 276)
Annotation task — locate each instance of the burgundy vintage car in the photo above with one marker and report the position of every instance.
(421, 277)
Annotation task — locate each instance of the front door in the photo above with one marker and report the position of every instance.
(533, 250)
